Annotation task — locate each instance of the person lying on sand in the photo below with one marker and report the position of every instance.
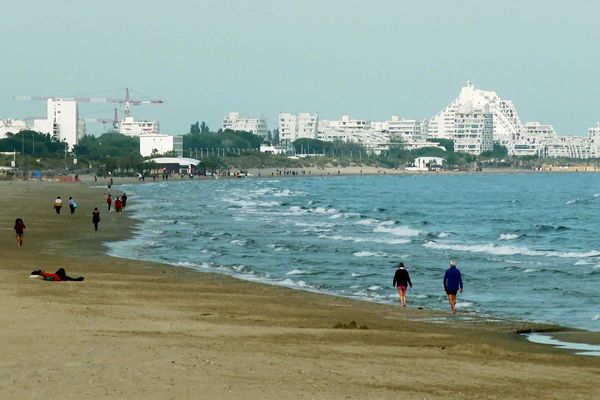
(59, 275)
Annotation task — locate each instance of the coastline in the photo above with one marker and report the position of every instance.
(130, 322)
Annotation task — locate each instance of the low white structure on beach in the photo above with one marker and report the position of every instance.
(427, 164)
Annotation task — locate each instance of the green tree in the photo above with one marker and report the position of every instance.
(195, 128)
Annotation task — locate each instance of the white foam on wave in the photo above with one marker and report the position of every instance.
(296, 272)
(508, 236)
(596, 267)
(583, 262)
(464, 304)
(397, 230)
(529, 270)
(370, 254)
(385, 223)
(596, 317)
(442, 235)
(238, 242)
(367, 221)
(365, 240)
(374, 288)
(490, 248)
(597, 194)
(290, 282)
(571, 201)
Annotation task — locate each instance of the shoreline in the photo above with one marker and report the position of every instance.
(131, 322)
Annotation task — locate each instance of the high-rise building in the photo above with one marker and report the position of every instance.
(297, 126)
(507, 125)
(409, 130)
(234, 122)
(474, 132)
(62, 121)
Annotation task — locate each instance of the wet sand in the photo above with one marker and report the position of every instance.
(139, 330)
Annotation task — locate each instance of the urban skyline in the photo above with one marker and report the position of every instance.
(335, 57)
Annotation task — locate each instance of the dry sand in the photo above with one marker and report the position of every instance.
(138, 330)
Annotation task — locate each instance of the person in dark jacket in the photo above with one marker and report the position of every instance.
(20, 231)
(453, 284)
(95, 218)
(401, 282)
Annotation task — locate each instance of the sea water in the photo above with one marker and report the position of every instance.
(527, 245)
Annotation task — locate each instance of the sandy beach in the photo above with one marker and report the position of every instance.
(139, 330)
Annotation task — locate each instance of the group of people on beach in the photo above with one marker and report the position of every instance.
(58, 205)
(120, 203)
(453, 283)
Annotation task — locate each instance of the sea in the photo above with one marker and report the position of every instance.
(527, 245)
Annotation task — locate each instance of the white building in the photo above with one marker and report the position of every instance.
(594, 139)
(409, 130)
(297, 126)
(474, 130)
(507, 125)
(568, 147)
(12, 126)
(234, 122)
(371, 136)
(427, 164)
(130, 127)
(160, 144)
(62, 121)
(531, 142)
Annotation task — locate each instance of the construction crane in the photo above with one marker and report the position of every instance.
(126, 102)
(115, 121)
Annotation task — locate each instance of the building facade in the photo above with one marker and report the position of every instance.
(506, 122)
(297, 126)
(474, 130)
(234, 122)
(160, 144)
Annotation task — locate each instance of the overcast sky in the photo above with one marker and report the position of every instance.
(368, 59)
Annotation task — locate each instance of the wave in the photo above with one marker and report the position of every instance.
(398, 231)
(289, 282)
(361, 275)
(509, 236)
(508, 250)
(370, 254)
(365, 240)
(296, 272)
(367, 221)
(547, 228)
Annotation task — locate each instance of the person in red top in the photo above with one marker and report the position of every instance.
(19, 230)
(118, 205)
(59, 275)
(109, 201)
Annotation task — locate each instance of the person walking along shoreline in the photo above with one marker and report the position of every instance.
(401, 282)
(453, 284)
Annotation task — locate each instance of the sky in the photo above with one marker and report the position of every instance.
(368, 59)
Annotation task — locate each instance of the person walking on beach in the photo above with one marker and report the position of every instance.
(401, 282)
(96, 218)
(72, 205)
(57, 204)
(19, 230)
(124, 199)
(109, 201)
(453, 284)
